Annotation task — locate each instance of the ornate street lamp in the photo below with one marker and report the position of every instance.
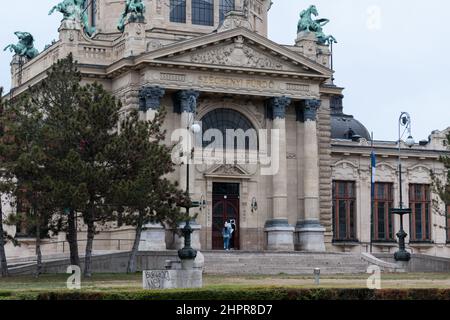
(404, 121)
(188, 253)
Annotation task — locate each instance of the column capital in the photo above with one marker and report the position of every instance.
(310, 108)
(150, 97)
(278, 106)
(186, 100)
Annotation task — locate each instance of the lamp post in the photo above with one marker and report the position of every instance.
(404, 121)
(188, 253)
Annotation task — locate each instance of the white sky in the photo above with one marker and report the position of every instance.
(392, 62)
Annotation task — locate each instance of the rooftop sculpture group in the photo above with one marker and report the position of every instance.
(135, 9)
(308, 24)
(25, 46)
(74, 10)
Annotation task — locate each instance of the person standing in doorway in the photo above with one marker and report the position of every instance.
(232, 236)
(226, 233)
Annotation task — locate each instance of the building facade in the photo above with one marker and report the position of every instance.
(210, 62)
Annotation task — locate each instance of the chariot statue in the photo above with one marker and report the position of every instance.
(308, 24)
(25, 46)
(74, 10)
(135, 9)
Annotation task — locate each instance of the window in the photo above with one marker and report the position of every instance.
(225, 7)
(420, 204)
(383, 220)
(178, 11)
(223, 119)
(203, 12)
(344, 211)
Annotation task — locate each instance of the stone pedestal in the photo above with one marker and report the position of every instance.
(307, 41)
(280, 235)
(403, 265)
(172, 279)
(310, 236)
(134, 35)
(153, 238)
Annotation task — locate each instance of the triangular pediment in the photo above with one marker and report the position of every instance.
(237, 49)
(227, 170)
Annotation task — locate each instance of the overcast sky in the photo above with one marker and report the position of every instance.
(392, 56)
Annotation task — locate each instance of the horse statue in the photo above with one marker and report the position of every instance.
(70, 9)
(25, 46)
(308, 24)
(136, 10)
(74, 10)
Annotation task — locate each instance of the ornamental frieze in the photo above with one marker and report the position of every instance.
(237, 55)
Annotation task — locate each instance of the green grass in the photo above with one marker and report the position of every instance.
(124, 286)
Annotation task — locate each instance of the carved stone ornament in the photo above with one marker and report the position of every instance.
(237, 54)
(235, 20)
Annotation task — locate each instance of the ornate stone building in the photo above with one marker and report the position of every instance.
(211, 61)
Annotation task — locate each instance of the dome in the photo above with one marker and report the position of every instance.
(345, 126)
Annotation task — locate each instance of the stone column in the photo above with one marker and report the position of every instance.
(153, 234)
(187, 104)
(279, 232)
(150, 101)
(309, 230)
(300, 169)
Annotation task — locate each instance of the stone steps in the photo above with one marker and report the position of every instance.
(246, 263)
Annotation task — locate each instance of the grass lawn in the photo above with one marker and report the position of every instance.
(125, 282)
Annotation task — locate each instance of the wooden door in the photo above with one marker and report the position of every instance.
(225, 208)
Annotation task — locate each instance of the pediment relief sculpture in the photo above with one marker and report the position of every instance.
(236, 54)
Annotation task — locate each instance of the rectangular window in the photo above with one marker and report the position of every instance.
(383, 220)
(225, 7)
(178, 11)
(420, 219)
(344, 211)
(203, 12)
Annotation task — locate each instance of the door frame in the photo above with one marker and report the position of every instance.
(236, 198)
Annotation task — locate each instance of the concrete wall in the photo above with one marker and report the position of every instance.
(421, 263)
(110, 263)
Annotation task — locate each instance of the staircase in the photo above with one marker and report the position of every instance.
(273, 263)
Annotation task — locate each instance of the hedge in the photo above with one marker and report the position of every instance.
(253, 294)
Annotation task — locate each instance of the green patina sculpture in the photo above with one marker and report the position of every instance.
(134, 8)
(25, 46)
(308, 24)
(74, 10)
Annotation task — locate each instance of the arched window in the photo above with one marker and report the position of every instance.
(178, 11)
(223, 119)
(203, 12)
(225, 7)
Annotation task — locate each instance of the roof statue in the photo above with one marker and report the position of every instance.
(246, 7)
(134, 8)
(74, 10)
(25, 46)
(308, 24)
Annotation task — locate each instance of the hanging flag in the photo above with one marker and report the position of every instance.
(373, 162)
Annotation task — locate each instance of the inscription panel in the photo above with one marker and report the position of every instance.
(231, 83)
